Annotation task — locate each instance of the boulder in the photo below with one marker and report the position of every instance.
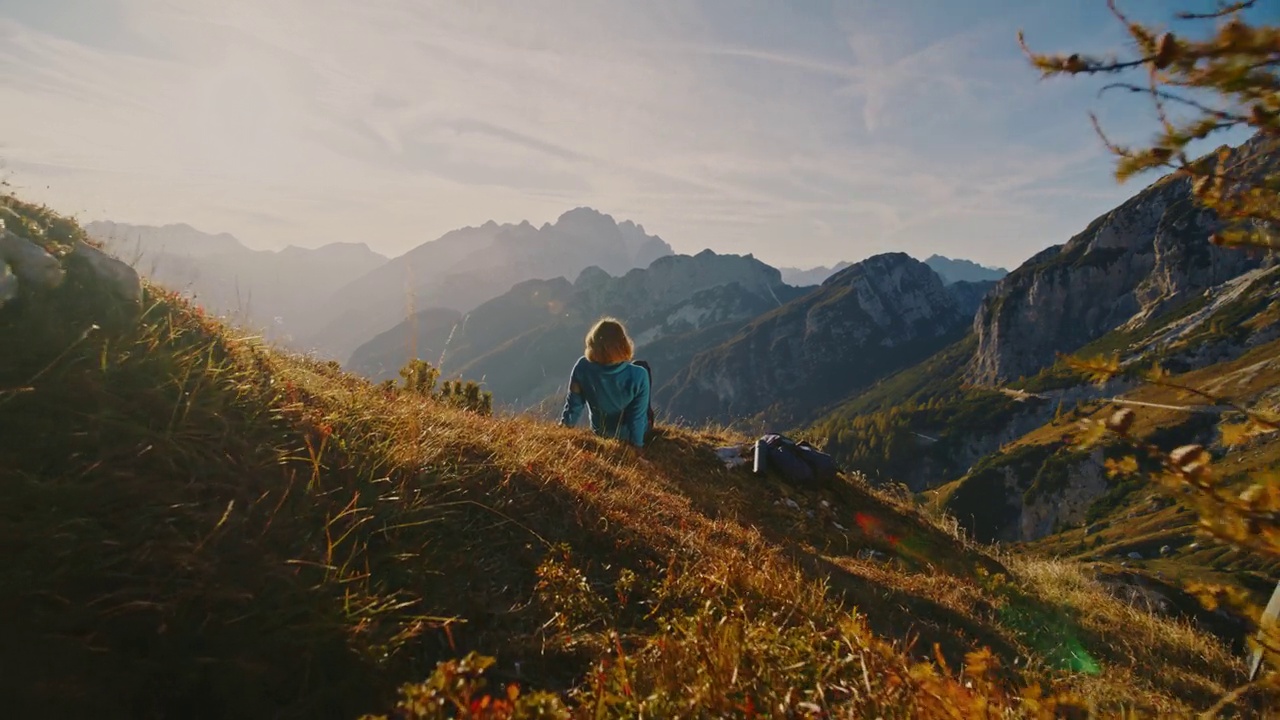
(33, 267)
(116, 275)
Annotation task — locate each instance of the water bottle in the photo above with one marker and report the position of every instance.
(759, 461)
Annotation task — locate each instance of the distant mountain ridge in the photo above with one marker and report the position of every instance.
(812, 276)
(950, 270)
(953, 270)
(472, 265)
(275, 292)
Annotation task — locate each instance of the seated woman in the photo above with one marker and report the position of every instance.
(614, 390)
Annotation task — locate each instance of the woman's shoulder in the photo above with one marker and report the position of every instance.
(638, 371)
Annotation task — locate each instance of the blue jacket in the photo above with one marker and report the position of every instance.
(616, 396)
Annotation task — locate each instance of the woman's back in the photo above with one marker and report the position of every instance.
(616, 393)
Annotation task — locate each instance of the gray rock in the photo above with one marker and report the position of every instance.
(873, 555)
(33, 267)
(1135, 556)
(1123, 269)
(122, 280)
(1165, 550)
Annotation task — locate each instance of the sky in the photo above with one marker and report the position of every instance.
(801, 131)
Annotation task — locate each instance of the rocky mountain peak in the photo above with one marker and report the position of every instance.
(592, 276)
(1124, 267)
(863, 322)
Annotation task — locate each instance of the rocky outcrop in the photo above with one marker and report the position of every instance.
(874, 317)
(27, 266)
(1126, 267)
(1066, 505)
(28, 269)
(116, 276)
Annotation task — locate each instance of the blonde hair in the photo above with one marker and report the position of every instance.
(607, 343)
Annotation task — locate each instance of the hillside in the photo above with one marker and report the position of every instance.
(199, 525)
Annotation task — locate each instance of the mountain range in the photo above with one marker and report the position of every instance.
(331, 299)
(467, 267)
(497, 302)
(523, 342)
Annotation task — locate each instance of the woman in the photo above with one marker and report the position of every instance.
(615, 391)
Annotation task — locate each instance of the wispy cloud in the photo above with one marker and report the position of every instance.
(802, 133)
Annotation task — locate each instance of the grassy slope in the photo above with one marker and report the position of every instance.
(197, 525)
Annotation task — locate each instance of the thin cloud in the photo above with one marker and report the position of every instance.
(391, 123)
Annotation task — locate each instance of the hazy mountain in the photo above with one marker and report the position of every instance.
(467, 267)
(953, 270)
(812, 276)
(273, 291)
(522, 343)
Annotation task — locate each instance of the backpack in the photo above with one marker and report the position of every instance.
(798, 462)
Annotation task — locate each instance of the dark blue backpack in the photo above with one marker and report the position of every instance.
(798, 462)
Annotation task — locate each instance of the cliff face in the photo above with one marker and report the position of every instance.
(1122, 270)
(865, 321)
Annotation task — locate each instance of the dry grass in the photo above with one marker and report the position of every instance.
(201, 526)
